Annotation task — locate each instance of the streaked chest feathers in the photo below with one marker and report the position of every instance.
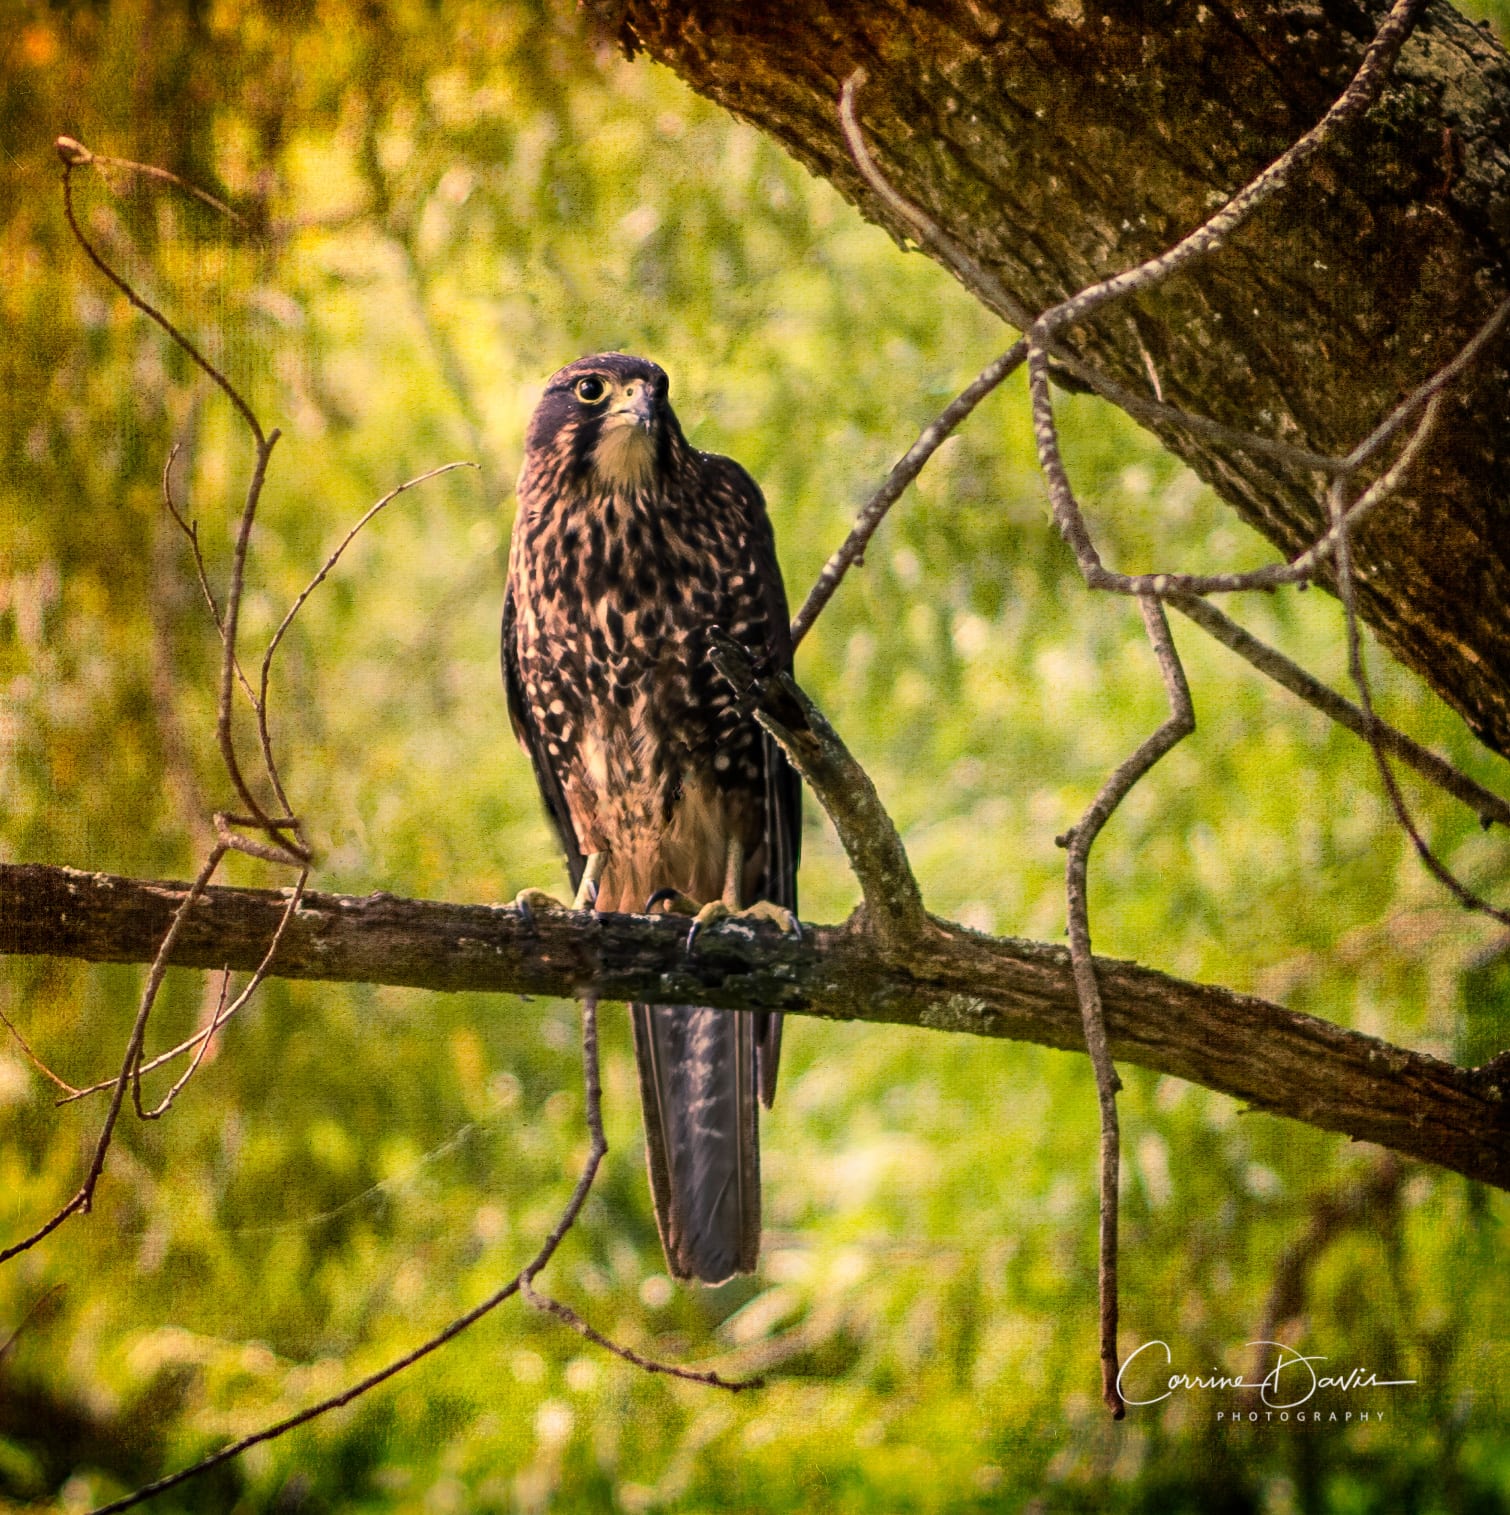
(617, 590)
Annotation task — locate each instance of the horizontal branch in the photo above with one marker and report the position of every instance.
(950, 980)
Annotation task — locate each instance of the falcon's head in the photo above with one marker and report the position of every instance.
(605, 421)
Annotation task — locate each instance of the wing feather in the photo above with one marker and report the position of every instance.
(782, 784)
(530, 738)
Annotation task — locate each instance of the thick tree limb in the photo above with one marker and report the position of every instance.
(951, 980)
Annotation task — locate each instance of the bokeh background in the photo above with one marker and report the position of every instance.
(454, 198)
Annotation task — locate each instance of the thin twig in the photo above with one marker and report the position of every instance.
(547, 1250)
(1273, 664)
(190, 530)
(42, 1067)
(568, 1316)
(1303, 569)
(150, 311)
(1067, 514)
(320, 577)
(1360, 94)
(76, 155)
(1430, 390)
(1356, 668)
(978, 277)
(1078, 842)
(294, 846)
(249, 846)
(84, 1196)
(222, 1012)
(906, 469)
(1041, 333)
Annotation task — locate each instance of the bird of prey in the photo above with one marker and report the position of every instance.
(629, 546)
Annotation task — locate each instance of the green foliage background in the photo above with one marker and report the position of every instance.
(460, 196)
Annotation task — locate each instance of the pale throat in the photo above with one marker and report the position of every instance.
(624, 458)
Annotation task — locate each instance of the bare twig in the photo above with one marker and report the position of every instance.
(222, 1013)
(1303, 569)
(1043, 345)
(200, 1041)
(893, 902)
(906, 469)
(53, 1078)
(1078, 842)
(163, 605)
(1040, 334)
(1431, 390)
(84, 1196)
(1487, 805)
(1356, 668)
(1359, 95)
(68, 151)
(568, 1316)
(293, 846)
(596, 1151)
(233, 841)
(320, 577)
(977, 276)
(76, 155)
(190, 530)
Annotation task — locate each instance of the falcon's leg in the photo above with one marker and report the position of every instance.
(728, 907)
(587, 890)
(530, 900)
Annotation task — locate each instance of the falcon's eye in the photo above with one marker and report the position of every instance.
(591, 389)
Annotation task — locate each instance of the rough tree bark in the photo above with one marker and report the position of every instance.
(948, 979)
(1060, 141)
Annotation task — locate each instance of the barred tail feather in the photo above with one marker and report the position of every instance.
(698, 1084)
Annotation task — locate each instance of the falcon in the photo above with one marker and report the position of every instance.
(629, 547)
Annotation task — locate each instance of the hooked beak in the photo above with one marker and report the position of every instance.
(635, 407)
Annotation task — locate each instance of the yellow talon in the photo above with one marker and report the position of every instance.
(778, 915)
(710, 915)
(528, 901)
(716, 911)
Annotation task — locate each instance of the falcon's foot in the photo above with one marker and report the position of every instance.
(528, 901)
(762, 910)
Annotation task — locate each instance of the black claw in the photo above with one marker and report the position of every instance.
(659, 897)
(526, 914)
(692, 936)
(795, 932)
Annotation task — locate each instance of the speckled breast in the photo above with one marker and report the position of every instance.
(616, 596)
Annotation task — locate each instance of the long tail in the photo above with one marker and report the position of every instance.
(698, 1084)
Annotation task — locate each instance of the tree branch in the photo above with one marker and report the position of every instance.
(950, 979)
(1078, 842)
(893, 901)
(1049, 153)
